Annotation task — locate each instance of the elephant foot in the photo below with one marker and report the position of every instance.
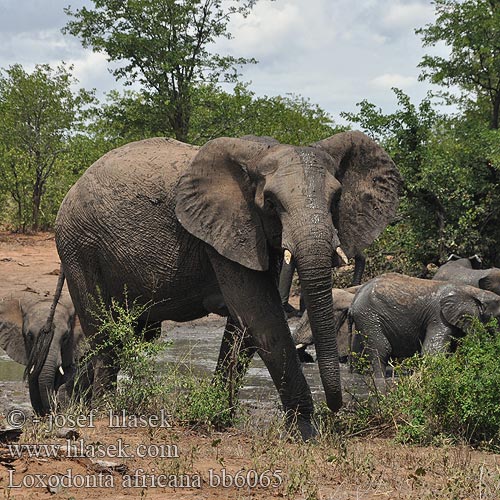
(301, 426)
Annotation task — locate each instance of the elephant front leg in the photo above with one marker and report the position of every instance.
(253, 298)
(437, 339)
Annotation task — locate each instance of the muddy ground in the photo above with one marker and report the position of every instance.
(195, 461)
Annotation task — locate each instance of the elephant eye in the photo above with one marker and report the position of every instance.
(270, 202)
(269, 205)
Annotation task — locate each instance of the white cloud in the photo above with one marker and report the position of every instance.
(389, 80)
(337, 53)
(401, 15)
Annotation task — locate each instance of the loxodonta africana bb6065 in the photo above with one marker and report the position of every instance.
(21, 318)
(199, 230)
(466, 271)
(397, 316)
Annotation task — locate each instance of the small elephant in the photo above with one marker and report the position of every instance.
(466, 271)
(397, 316)
(302, 336)
(21, 318)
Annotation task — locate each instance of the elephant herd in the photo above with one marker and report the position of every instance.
(199, 230)
(394, 316)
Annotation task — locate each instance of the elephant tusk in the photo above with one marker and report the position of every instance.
(342, 255)
(300, 346)
(288, 256)
(61, 371)
(32, 369)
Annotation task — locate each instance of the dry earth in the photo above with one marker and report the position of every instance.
(272, 467)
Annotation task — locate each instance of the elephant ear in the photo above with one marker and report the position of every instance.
(458, 307)
(371, 184)
(11, 330)
(215, 201)
(491, 282)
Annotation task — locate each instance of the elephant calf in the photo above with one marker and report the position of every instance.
(21, 318)
(466, 271)
(302, 336)
(397, 316)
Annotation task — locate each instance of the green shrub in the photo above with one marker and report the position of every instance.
(451, 397)
(202, 402)
(145, 387)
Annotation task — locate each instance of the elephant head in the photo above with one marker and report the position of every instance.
(472, 262)
(21, 320)
(468, 302)
(250, 200)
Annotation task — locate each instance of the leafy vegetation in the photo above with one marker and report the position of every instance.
(167, 56)
(41, 117)
(439, 399)
(142, 387)
(471, 29)
(452, 398)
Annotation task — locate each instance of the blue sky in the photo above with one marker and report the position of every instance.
(335, 52)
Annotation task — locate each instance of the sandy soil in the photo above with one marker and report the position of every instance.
(265, 465)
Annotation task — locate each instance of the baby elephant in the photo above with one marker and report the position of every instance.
(397, 316)
(466, 271)
(302, 336)
(21, 318)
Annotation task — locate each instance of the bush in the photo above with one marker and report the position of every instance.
(143, 386)
(451, 397)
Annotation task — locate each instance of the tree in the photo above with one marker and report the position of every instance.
(451, 168)
(164, 45)
(471, 29)
(291, 119)
(40, 112)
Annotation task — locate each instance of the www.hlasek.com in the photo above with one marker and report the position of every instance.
(81, 449)
(141, 479)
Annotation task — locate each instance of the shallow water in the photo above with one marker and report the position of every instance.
(194, 346)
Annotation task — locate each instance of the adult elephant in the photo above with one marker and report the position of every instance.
(199, 230)
(22, 317)
(397, 316)
(466, 271)
(303, 337)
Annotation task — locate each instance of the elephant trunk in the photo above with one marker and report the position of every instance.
(314, 264)
(43, 387)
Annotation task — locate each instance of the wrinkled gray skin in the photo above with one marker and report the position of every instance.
(21, 318)
(465, 272)
(199, 230)
(397, 316)
(303, 337)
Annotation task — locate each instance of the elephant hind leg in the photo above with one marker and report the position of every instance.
(99, 372)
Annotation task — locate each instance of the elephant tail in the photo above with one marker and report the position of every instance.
(40, 350)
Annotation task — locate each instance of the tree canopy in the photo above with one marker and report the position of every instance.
(471, 31)
(40, 113)
(291, 119)
(165, 45)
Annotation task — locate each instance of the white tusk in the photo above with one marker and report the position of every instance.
(61, 371)
(342, 255)
(300, 346)
(288, 256)
(32, 369)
